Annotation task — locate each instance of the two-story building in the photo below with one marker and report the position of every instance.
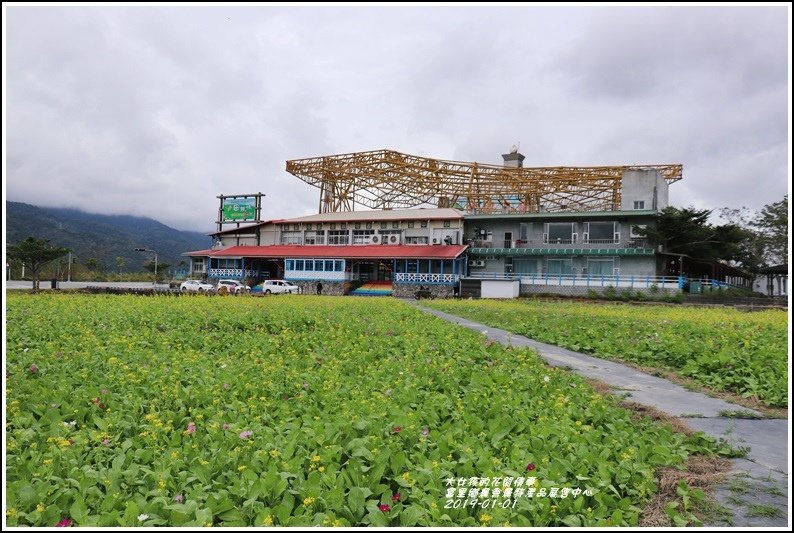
(381, 252)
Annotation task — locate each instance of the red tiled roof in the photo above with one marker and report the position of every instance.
(372, 251)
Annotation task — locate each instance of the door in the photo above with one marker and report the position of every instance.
(508, 239)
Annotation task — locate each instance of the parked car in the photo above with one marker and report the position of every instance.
(277, 286)
(234, 286)
(194, 285)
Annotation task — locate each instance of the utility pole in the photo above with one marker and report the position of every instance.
(69, 275)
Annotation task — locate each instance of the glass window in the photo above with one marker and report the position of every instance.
(332, 226)
(318, 265)
(357, 225)
(560, 266)
(395, 225)
(329, 266)
(601, 232)
(339, 266)
(560, 232)
(299, 265)
(600, 267)
(369, 225)
(308, 226)
(411, 224)
(343, 225)
(423, 223)
(338, 237)
(291, 237)
(383, 225)
(523, 232)
(288, 264)
(639, 204)
(446, 223)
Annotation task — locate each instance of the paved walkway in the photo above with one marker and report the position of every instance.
(756, 492)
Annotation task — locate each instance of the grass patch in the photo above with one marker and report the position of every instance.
(766, 511)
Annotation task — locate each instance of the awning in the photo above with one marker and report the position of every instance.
(365, 251)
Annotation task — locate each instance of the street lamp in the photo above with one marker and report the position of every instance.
(155, 262)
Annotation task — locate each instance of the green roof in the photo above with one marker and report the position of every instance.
(560, 251)
(566, 214)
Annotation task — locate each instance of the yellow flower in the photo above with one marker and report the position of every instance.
(241, 468)
(485, 518)
(321, 469)
(316, 459)
(40, 507)
(12, 512)
(308, 501)
(268, 521)
(174, 455)
(274, 453)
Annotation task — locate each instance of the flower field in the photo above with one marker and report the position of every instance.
(723, 349)
(193, 411)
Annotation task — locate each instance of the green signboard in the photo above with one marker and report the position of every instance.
(239, 208)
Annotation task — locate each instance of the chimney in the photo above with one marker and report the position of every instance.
(513, 159)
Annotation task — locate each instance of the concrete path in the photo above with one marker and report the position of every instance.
(756, 491)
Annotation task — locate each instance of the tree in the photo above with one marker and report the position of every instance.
(120, 262)
(772, 225)
(161, 269)
(35, 253)
(687, 231)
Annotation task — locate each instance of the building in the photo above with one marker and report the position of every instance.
(568, 230)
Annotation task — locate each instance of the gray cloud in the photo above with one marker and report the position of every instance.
(155, 111)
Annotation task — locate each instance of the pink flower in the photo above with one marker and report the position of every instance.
(530, 467)
(106, 442)
(103, 391)
(100, 405)
(66, 522)
(225, 427)
(245, 434)
(385, 508)
(397, 429)
(425, 432)
(396, 497)
(33, 369)
(179, 498)
(191, 428)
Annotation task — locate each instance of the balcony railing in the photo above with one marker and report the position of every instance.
(232, 273)
(586, 280)
(415, 277)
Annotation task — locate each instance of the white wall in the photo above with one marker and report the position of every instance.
(500, 288)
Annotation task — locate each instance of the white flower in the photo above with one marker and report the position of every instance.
(546, 379)
(142, 517)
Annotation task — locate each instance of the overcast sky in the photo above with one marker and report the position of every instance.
(155, 111)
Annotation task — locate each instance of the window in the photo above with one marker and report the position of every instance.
(636, 227)
(560, 266)
(318, 265)
(332, 226)
(416, 240)
(369, 225)
(446, 223)
(329, 266)
(338, 237)
(315, 237)
(600, 267)
(308, 226)
(299, 265)
(339, 266)
(296, 227)
(411, 224)
(423, 224)
(639, 204)
(289, 264)
(291, 237)
(601, 232)
(360, 235)
(198, 264)
(395, 225)
(558, 233)
(523, 232)
(357, 225)
(383, 225)
(343, 225)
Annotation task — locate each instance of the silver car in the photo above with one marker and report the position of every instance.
(234, 286)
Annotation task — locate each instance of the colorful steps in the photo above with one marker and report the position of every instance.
(373, 288)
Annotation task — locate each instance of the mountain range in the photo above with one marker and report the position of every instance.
(102, 238)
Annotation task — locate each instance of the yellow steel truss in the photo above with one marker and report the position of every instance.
(384, 179)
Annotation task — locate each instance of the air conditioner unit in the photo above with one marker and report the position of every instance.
(435, 241)
(480, 263)
(374, 239)
(366, 239)
(394, 239)
(472, 263)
